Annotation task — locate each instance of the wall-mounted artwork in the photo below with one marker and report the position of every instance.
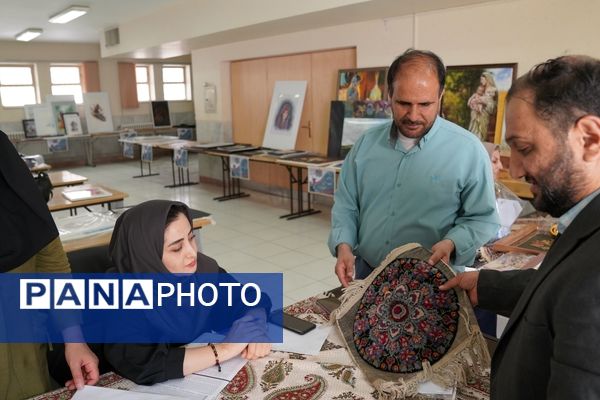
(60, 105)
(239, 167)
(364, 92)
(72, 124)
(284, 115)
(29, 128)
(321, 181)
(160, 114)
(475, 97)
(58, 145)
(97, 112)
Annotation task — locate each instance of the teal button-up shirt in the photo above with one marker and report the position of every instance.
(441, 189)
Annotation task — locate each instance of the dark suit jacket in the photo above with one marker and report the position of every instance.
(550, 348)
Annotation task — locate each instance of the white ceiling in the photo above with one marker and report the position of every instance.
(18, 15)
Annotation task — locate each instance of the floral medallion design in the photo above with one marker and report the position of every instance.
(242, 383)
(313, 390)
(275, 373)
(344, 373)
(403, 318)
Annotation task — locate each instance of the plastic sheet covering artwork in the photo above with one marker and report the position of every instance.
(401, 330)
(80, 226)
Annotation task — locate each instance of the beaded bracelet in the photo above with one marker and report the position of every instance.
(214, 349)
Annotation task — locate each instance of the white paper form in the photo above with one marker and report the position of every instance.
(100, 393)
(310, 343)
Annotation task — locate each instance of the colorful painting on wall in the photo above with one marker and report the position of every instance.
(475, 97)
(364, 92)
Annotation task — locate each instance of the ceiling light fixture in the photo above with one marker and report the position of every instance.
(69, 14)
(28, 34)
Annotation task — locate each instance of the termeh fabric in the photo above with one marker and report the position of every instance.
(441, 189)
(27, 226)
(401, 330)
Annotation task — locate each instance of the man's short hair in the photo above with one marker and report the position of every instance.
(411, 55)
(564, 89)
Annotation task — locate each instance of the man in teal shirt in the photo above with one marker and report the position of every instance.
(418, 178)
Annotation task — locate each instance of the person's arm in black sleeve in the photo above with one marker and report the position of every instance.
(499, 291)
(146, 364)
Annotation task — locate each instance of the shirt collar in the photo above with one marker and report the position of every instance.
(393, 136)
(565, 220)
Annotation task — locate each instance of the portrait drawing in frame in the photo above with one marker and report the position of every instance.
(475, 98)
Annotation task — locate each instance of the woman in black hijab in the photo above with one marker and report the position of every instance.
(29, 243)
(157, 237)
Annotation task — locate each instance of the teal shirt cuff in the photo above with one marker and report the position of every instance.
(338, 236)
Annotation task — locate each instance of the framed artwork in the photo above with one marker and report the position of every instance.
(60, 105)
(97, 112)
(160, 114)
(29, 128)
(239, 167)
(181, 157)
(58, 145)
(321, 181)
(127, 150)
(45, 125)
(72, 124)
(146, 153)
(528, 240)
(284, 115)
(475, 97)
(185, 133)
(364, 92)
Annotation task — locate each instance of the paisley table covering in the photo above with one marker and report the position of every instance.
(331, 375)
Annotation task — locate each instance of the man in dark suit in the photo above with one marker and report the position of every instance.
(550, 348)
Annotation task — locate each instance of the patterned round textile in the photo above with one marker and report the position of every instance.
(404, 319)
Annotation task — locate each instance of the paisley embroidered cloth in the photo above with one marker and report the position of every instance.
(403, 318)
(401, 330)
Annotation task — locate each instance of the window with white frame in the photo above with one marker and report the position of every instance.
(142, 78)
(17, 85)
(65, 80)
(176, 82)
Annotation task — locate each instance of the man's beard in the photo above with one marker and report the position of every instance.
(558, 185)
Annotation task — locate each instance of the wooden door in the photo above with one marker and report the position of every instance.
(249, 100)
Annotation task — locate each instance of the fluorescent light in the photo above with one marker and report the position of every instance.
(69, 14)
(28, 34)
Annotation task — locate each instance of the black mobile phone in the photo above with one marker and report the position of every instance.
(291, 323)
(297, 325)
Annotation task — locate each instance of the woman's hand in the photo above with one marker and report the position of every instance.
(255, 351)
(83, 364)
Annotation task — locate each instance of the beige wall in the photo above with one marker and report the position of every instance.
(522, 31)
(43, 54)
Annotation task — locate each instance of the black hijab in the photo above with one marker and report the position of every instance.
(26, 225)
(136, 245)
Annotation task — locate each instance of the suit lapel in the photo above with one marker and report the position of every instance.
(586, 223)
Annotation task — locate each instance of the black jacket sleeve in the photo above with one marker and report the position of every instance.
(146, 364)
(499, 291)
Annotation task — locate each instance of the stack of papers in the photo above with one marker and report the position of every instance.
(84, 192)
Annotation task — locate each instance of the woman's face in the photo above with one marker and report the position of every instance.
(179, 249)
(496, 163)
